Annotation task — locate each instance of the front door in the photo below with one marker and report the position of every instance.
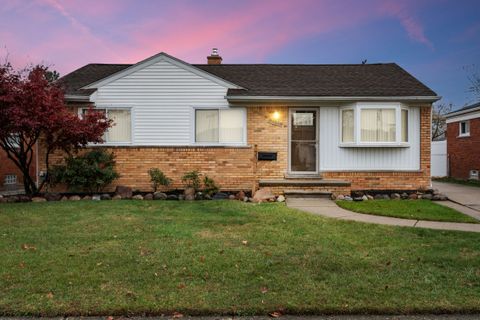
(303, 141)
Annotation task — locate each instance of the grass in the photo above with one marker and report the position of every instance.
(472, 183)
(408, 209)
(224, 257)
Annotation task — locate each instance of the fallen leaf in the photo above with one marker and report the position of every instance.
(21, 264)
(245, 242)
(275, 314)
(177, 315)
(50, 295)
(202, 259)
(109, 318)
(99, 263)
(264, 289)
(28, 247)
(181, 286)
(156, 274)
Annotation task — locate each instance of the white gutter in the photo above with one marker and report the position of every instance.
(73, 97)
(460, 112)
(331, 98)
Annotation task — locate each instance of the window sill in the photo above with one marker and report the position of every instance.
(374, 145)
(464, 136)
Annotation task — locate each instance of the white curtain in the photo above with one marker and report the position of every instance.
(347, 126)
(377, 125)
(121, 130)
(231, 125)
(206, 125)
(404, 125)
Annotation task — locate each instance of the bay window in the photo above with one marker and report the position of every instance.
(374, 124)
(220, 126)
(121, 130)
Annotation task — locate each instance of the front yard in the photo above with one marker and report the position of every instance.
(408, 209)
(224, 257)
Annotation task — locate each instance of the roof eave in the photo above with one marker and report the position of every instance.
(461, 112)
(77, 98)
(240, 98)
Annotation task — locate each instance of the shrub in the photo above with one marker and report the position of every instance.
(191, 179)
(158, 178)
(90, 172)
(210, 187)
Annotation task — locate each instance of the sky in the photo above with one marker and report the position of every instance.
(438, 41)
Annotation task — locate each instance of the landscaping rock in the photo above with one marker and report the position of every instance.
(117, 197)
(395, 196)
(240, 195)
(378, 196)
(74, 198)
(199, 196)
(181, 197)
(435, 192)
(53, 196)
(404, 195)
(246, 199)
(96, 197)
(137, 197)
(358, 199)
(369, 197)
(357, 194)
(105, 196)
(333, 197)
(148, 196)
(340, 197)
(24, 198)
(3, 200)
(220, 196)
(160, 196)
(365, 198)
(87, 198)
(124, 192)
(439, 197)
(231, 197)
(38, 199)
(263, 194)
(385, 197)
(348, 198)
(64, 198)
(427, 196)
(281, 198)
(172, 197)
(12, 199)
(413, 196)
(207, 197)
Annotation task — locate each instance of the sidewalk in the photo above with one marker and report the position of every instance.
(328, 208)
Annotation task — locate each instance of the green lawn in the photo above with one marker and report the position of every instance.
(472, 183)
(224, 257)
(408, 209)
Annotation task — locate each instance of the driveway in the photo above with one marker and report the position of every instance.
(465, 195)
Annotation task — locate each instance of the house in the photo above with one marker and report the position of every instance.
(327, 128)
(463, 142)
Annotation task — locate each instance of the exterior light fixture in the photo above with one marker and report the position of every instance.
(276, 116)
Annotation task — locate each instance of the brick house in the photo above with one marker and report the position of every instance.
(463, 142)
(329, 128)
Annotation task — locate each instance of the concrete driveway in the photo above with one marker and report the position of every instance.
(465, 195)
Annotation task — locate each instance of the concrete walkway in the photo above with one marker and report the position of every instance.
(464, 195)
(328, 208)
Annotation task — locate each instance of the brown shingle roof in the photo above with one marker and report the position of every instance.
(377, 80)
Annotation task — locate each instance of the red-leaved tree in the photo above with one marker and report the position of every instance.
(33, 111)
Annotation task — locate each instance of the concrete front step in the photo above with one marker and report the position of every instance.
(289, 194)
(304, 182)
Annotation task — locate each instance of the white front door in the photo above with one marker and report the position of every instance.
(303, 158)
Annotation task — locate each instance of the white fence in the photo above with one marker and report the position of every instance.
(439, 159)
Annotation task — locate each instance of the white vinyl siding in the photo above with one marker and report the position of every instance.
(162, 97)
(334, 157)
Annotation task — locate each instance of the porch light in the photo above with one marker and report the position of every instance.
(276, 116)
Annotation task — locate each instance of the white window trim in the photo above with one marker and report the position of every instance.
(357, 109)
(10, 182)
(193, 141)
(115, 107)
(467, 125)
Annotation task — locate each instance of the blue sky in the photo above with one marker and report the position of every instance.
(435, 40)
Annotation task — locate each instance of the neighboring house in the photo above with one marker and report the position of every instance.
(291, 127)
(11, 178)
(463, 142)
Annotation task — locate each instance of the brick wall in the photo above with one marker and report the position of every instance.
(463, 152)
(7, 167)
(237, 168)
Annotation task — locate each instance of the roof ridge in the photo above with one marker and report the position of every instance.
(294, 64)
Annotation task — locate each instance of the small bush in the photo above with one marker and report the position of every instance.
(191, 179)
(89, 172)
(158, 178)
(210, 187)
